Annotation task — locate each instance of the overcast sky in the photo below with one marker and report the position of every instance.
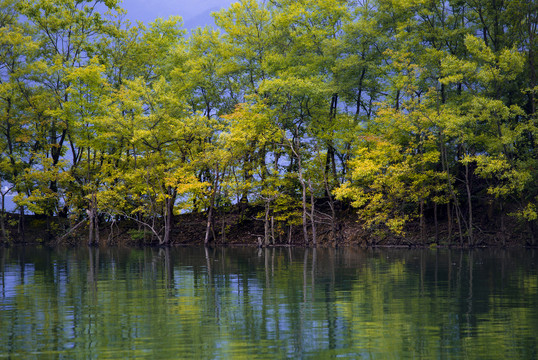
(194, 12)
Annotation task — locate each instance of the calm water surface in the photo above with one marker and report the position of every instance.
(271, 303)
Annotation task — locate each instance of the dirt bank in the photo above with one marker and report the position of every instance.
(247, 227)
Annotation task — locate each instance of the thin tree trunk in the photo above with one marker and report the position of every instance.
(290, 232)
(459, 217)
(503, 233)
(96, 220)
(334, 225)
(470, 205)
(90, 227)
(209, 227)
(266, 224)
(435, 220)
(422, 237)
(449, 216)
(272, 229)
(93, 226)
(330, 163)
(168, 215)
(359, 95)
(305, 226)
(312, 214)
(5, 235)
(293, 144)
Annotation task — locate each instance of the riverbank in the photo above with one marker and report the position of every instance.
(247, 227)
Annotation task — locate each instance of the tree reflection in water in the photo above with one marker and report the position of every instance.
(268, 303)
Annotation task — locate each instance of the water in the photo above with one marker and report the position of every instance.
(273, 303)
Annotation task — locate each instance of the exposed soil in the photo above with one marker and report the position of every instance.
(236, 227)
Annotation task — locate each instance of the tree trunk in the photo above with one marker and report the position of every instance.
(330, 163)
(435, 220)
(470, 205)
(449, 216)
(209, 227)
(334, 225)
(209, 222)
(168, 215)
(96, 222)
(266, 224)
(5, 235)
(359, 94)
(303, 186)
(93, 236)
(90, 226)
(305, 226)
(422, 236)
(312, 214)
(290, 233)
(503, 233)
(273, 230)
(459, 217)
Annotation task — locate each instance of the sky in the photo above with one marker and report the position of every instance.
(194, 12)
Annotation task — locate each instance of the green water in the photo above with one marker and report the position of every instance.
(274, 303)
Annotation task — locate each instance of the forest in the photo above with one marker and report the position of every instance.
(413, 116)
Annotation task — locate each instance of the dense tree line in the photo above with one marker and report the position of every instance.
(399, 107)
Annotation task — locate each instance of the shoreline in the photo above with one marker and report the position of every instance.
(244, 227)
